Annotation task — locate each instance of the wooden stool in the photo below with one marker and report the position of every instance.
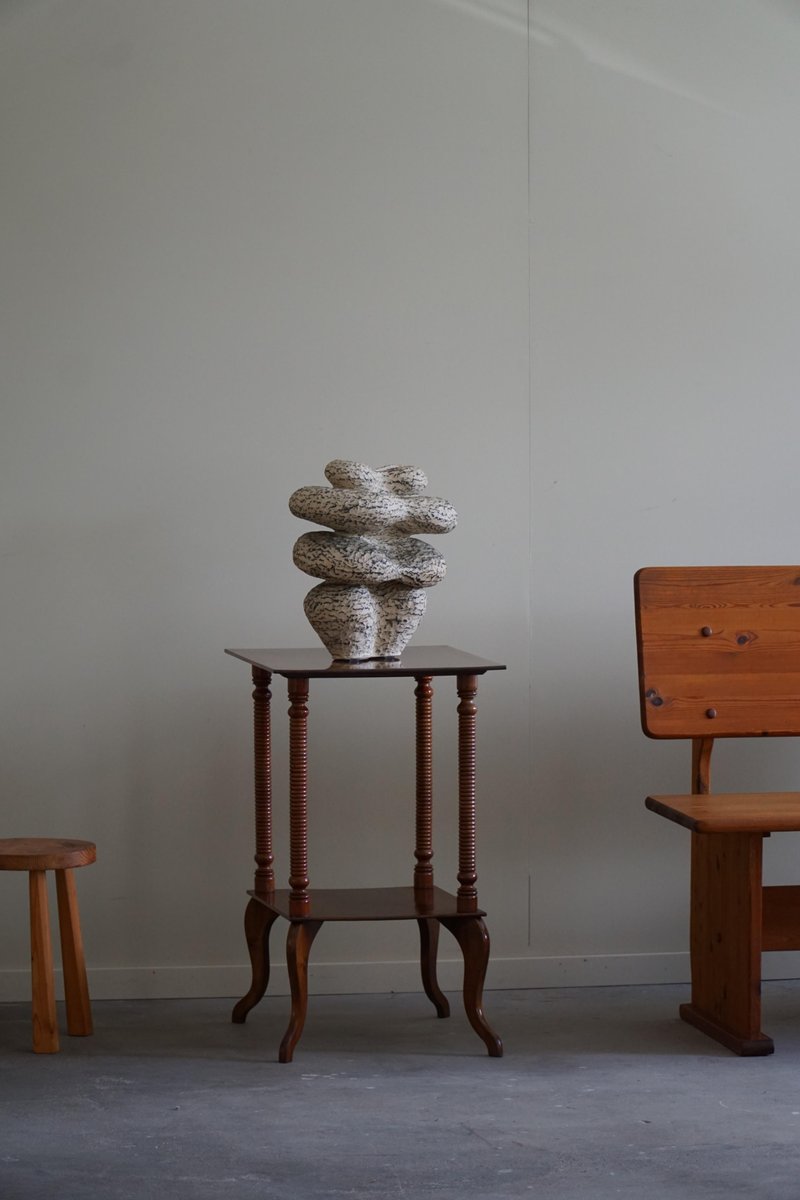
(36, 856)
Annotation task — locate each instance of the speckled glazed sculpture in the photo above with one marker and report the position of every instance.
(375, 572)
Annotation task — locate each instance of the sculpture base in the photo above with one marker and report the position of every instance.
(357, 623)
(372, 658)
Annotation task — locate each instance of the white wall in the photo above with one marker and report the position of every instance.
(666, 292)
(241, 239)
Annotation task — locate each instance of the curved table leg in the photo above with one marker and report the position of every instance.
(298, 944)
(258, 921)
(473, 938)
(429, 941)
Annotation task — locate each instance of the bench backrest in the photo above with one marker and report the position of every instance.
(719, 651)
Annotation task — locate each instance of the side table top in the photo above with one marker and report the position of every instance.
(316, 663)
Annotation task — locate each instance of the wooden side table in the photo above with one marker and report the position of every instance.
(305, 909)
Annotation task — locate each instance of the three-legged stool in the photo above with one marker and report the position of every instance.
(37, 856)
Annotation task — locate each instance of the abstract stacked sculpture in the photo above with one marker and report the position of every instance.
(375, 572)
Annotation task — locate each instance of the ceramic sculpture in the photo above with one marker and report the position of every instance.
(375, 572)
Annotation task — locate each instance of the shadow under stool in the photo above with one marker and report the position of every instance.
(37, 856)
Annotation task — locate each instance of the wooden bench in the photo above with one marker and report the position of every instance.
(719, 656)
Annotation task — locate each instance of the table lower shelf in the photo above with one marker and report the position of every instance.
(368, 904)
(430, 910)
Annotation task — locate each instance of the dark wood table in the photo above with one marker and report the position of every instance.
(307, 909)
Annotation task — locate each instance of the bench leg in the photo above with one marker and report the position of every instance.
(45, 1029)
(76, 988)
(726, 930)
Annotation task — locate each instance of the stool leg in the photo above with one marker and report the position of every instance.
(76, 988)
(45, 1029)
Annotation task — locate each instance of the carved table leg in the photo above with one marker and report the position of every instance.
(298, 944)
(258, 921)
(429, 941)
(473, 938)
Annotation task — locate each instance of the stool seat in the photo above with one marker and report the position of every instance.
(44, 854)
(60, 855)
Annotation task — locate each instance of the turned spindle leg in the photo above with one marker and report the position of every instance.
(423, 852)
(262, 745)
(423, 871)
(467, 874)
(299, 900)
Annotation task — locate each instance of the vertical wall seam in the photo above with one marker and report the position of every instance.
(530, 462)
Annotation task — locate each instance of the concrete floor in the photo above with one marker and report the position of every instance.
(602, 1093)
